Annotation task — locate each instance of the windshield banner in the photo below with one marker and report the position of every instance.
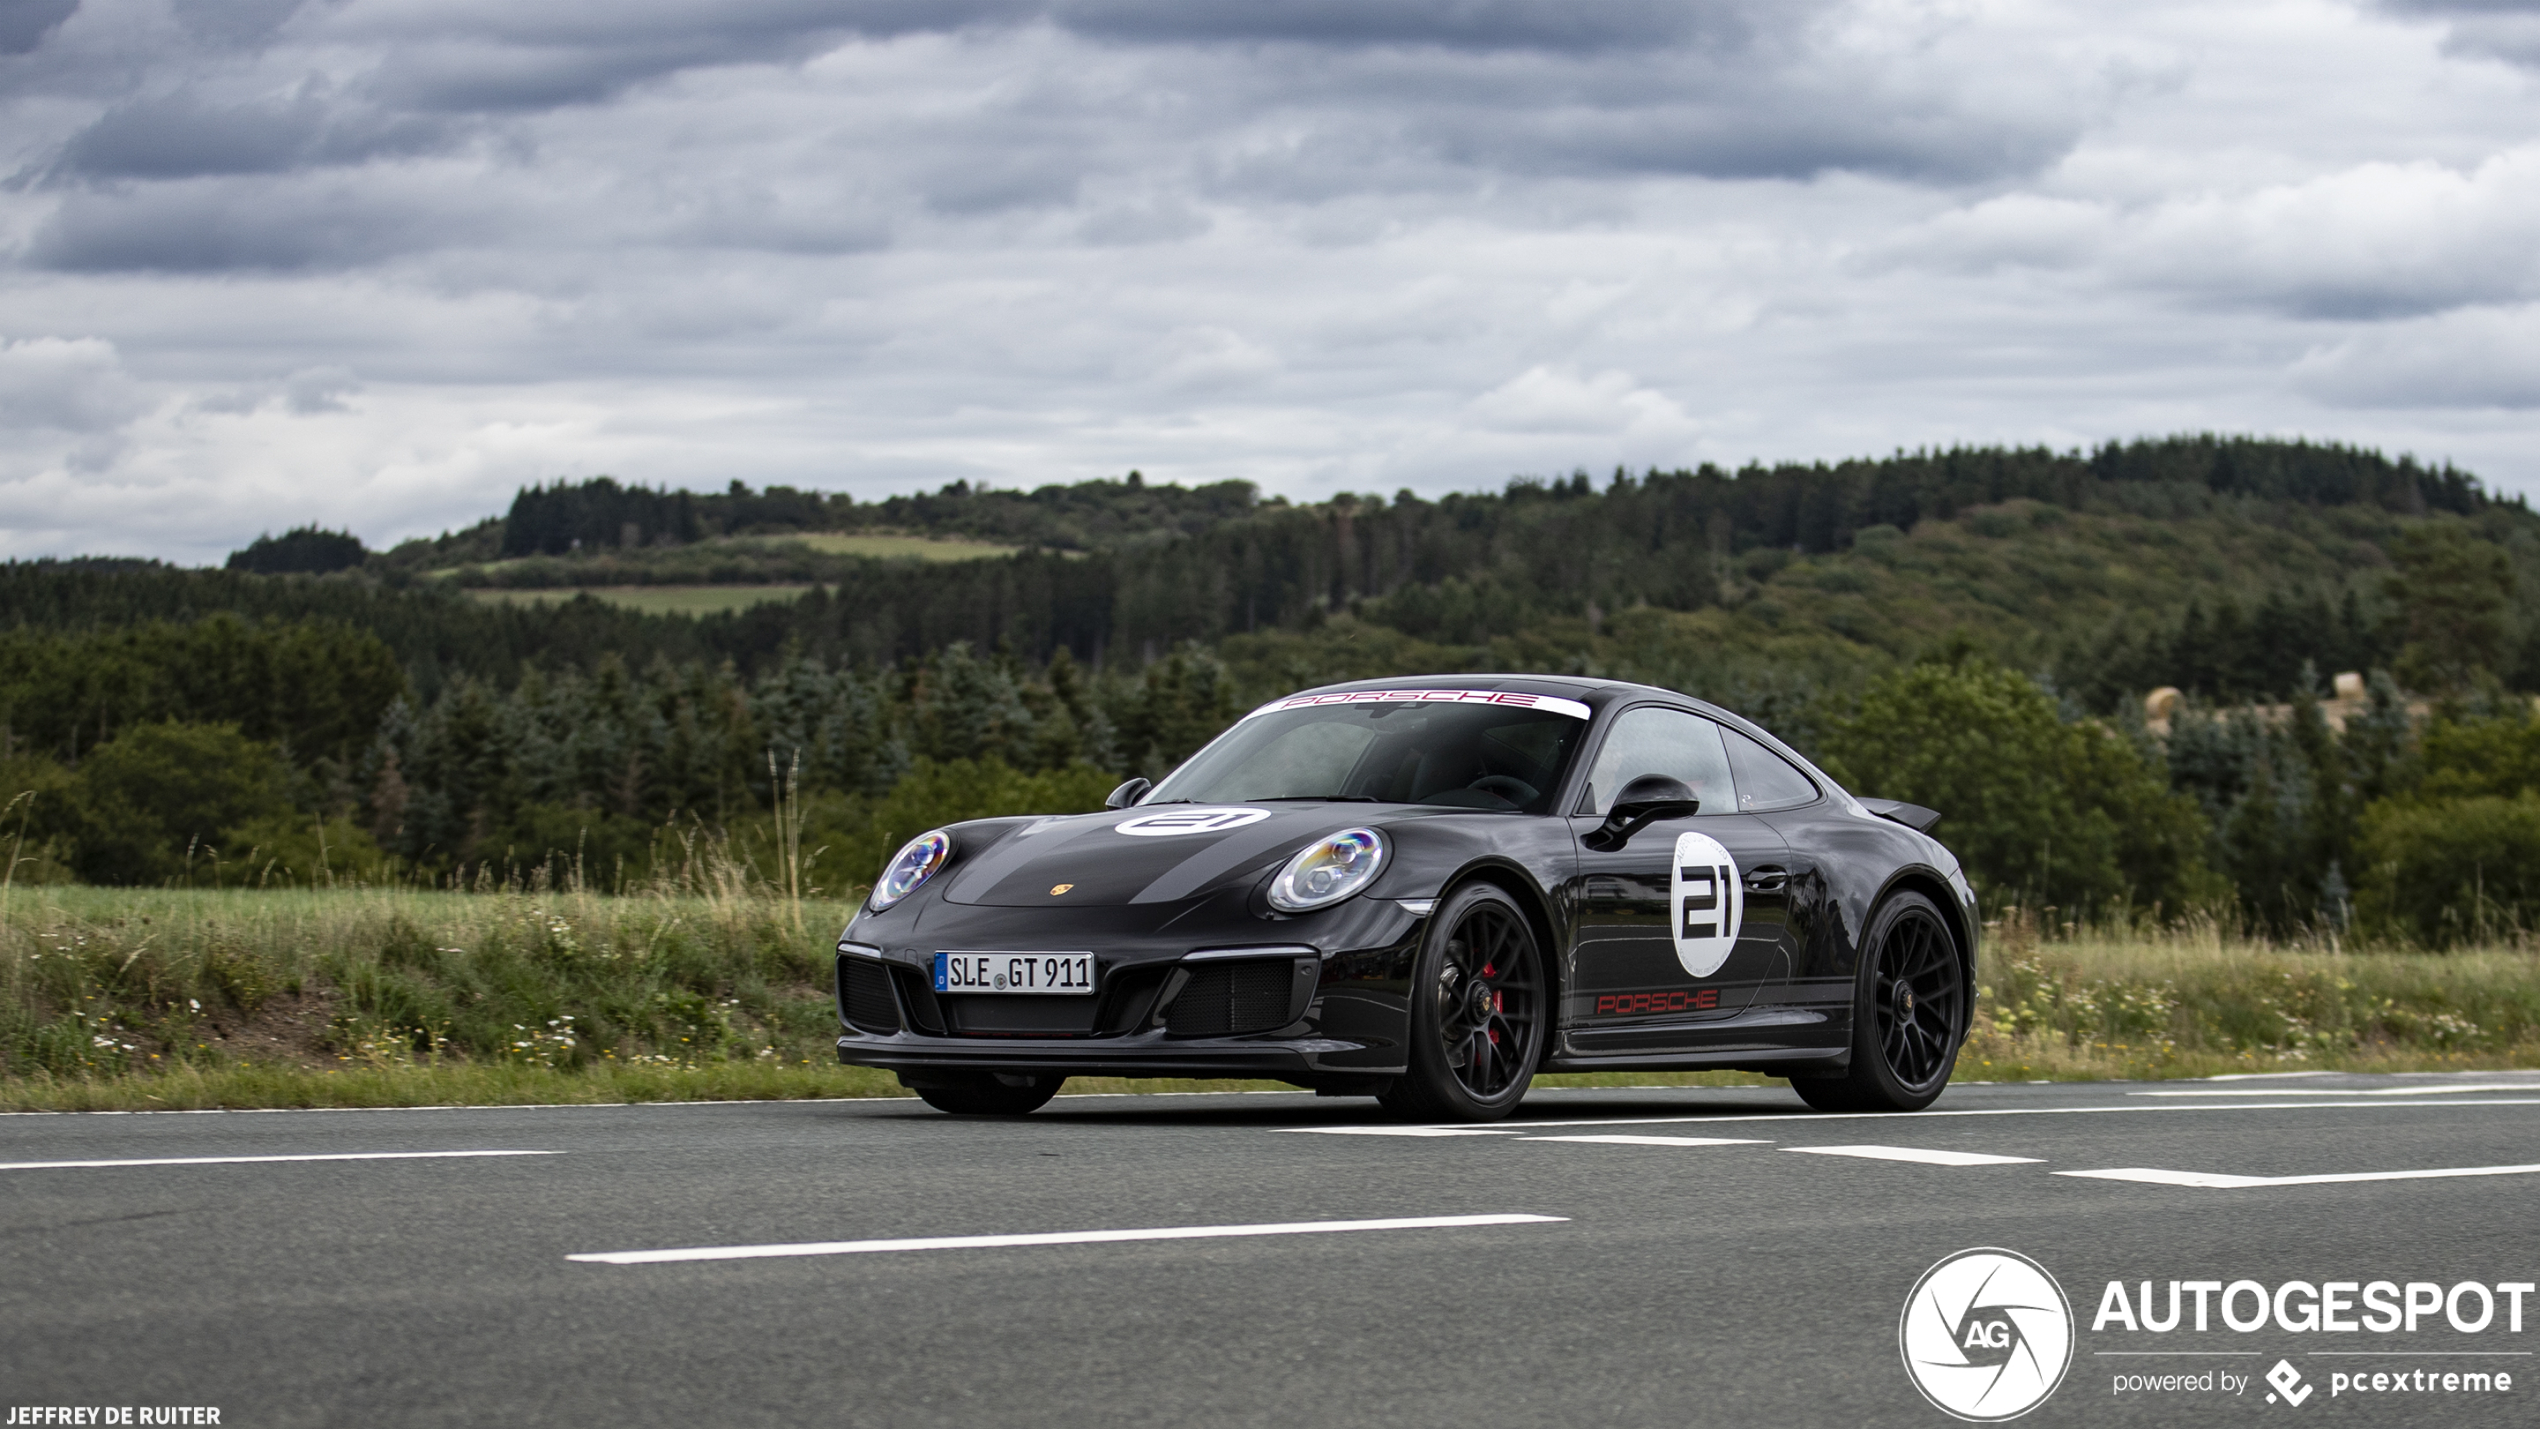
(1510, 698)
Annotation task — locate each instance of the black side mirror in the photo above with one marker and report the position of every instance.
(1643, 802)
(1127, 794)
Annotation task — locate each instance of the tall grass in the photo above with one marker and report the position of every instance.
(706, 966)
(2195, 999)
(713, 981)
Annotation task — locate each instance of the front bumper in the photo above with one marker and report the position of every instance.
(1295, 1011)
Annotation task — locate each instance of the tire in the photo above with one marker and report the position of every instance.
(1909, 1014)
(989, 1093)
(1480, 1010)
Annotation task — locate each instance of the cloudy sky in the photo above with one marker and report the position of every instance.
(375, 263)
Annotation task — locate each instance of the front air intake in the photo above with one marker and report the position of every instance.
(1232, 999)
(864, 996)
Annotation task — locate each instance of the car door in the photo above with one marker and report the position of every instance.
(1685, 924)
(1785, 796)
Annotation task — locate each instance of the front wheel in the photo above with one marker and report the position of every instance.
(1909, 1015)
(988, 1093)
(1478, 1012)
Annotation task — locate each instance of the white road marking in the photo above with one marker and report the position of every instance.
(1413, 1130)
(2349, 1092)
(243, 1160)
(2213, 1180)
(1892, 1117)
(1916, 1154)
(989, 1242)
(1657, 1140)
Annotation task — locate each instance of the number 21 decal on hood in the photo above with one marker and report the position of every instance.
(1705, 903)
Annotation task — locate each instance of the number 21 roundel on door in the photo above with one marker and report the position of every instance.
(1705, 902)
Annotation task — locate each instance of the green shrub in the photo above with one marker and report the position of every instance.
(2039, 810)
(2447, 871)
(158, 798)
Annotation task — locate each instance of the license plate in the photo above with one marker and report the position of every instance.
(1014, 972)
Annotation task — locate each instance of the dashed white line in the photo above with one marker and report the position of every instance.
(993, 1242)
(1656, 1140)
(1889, 1117)
(245, 1160)
(1916, 1154)
(2214, 1180)
(1418, 1130)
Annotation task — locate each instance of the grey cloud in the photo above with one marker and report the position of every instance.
(2478, 358)
(1782, 137)
(25, 23)
(530, 57)
(2507, 30)
(182, 135)
(65, 385)
(204, 226)
(234, 22)
(1453, 24)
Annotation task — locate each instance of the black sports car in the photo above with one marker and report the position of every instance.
(1428, 891)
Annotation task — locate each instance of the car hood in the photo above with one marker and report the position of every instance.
(1144, 855)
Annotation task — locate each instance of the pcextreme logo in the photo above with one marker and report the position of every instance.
(1986, 1335)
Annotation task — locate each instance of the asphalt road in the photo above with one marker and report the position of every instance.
(1751, 1282)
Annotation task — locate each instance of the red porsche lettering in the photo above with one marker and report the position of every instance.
(1643, 1004)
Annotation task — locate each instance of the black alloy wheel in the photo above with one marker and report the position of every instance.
(1478, 1011)
(986, 1093)
(1909, 1014)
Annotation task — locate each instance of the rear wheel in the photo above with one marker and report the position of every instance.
(1909, 1014)
(1478, 1012)
(988, 1093)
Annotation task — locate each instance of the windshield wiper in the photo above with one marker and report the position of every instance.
(1319, 798)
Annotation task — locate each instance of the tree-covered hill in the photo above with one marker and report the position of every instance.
(1133, 619)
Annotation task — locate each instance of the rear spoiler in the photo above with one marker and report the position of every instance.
(1912, 816)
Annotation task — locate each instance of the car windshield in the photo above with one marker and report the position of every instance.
(1459, 756)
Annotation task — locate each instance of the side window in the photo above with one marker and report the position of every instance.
(1653, 739)
(1765, 780)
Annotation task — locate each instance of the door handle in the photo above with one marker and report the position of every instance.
(1766, 880)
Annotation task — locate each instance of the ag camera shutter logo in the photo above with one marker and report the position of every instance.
(1987, 1335)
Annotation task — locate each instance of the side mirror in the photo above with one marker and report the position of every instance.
(1128, 794)
(1643, 802)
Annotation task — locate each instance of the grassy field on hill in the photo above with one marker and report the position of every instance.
(650, 599)
(161, 998)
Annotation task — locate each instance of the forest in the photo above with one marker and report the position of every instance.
(1974, 629)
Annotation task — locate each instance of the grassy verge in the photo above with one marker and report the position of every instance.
(125, 999)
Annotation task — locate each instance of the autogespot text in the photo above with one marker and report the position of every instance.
(2456, 1325)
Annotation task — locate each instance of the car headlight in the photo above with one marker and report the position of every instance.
(916, 862)
(1328, 870)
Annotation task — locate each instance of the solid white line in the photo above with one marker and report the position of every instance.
(1885, 1116)
(1656, 1140)
(989, 1242)
(2348, 1092)
(242, 1160)
(2214, 1180)
(1917, 1155)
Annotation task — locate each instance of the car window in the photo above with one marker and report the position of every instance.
(1300, 759)
(1653, 739)
(1765, 780)
(1492, 757)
